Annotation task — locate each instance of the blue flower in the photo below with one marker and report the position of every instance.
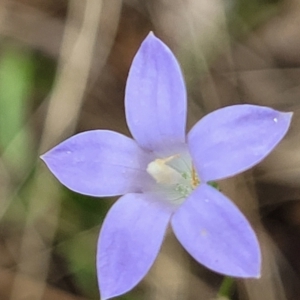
(164, 174)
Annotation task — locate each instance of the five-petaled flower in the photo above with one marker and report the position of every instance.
(164, 175)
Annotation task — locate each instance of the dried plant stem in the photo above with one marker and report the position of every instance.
(64, 105)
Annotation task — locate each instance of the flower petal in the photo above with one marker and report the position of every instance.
(235, 138)
(99, 163)
(216, 234)
(155, 98)
(129, 242)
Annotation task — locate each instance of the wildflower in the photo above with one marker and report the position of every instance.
(164, 175)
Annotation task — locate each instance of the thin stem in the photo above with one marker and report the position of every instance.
(226, 287)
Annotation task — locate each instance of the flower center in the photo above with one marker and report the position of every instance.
(175, 176)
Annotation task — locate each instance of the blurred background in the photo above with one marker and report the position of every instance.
(63, 69)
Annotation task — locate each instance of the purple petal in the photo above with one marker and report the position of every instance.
(233, 139)
(99, 163)
(155, 99)
(129, 242)
(216, 234)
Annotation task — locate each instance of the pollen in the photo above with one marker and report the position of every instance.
(195, 178)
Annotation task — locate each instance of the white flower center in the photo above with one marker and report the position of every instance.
(175, 176)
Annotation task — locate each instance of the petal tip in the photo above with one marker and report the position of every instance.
(256, 274)
(151, 34)
(288, 115)
(47, 158)
(42, 157)
(247, 274)
(107, 296)
(151, 38)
